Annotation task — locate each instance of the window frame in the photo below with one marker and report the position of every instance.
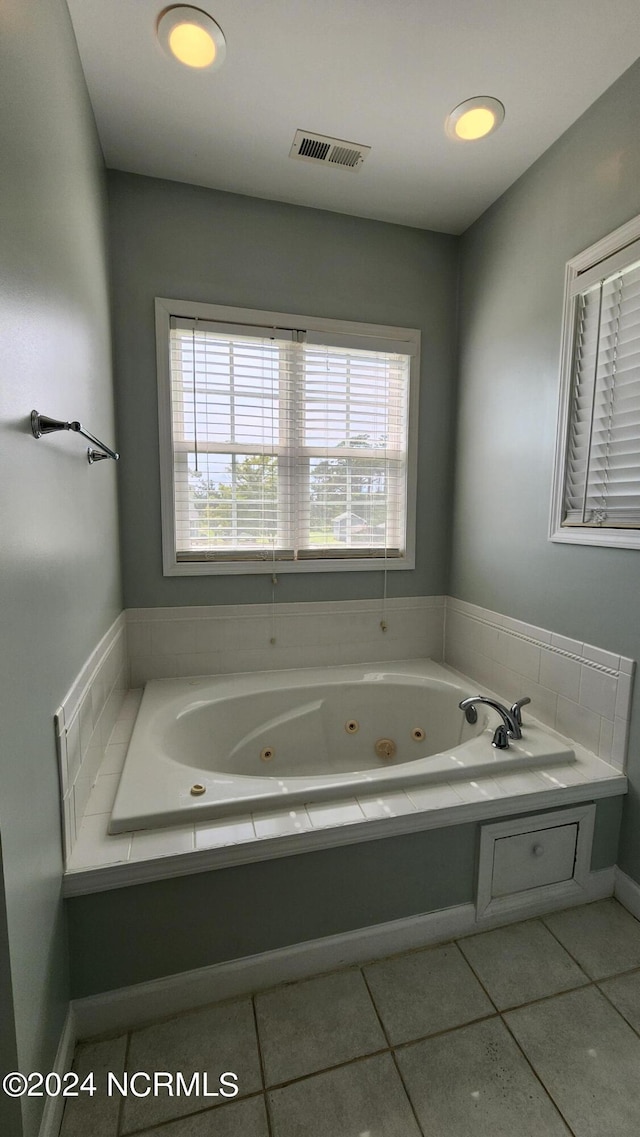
(165, 308)
(614, 243)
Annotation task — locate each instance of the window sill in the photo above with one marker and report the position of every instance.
(249, 568)
(607, 538)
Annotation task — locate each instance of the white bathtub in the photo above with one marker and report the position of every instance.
(204, 748)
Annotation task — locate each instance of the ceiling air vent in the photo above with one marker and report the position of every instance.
(329, 151)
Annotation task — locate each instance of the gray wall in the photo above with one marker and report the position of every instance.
(135, 934)
(513, 262)
(181, 241)
(59, 577)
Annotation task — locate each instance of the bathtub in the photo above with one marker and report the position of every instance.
(209, 747)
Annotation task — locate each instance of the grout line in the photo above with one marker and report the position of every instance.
(125, 1063)
(393, 1053)
(529, 1064)
(261, 1061)
(329, 1069)
(166, 1122)
(636, 1030)
(392, 1048)
(546, 916)
(538, 1078)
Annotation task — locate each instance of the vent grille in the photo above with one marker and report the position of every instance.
(311, 148)
(329, 151)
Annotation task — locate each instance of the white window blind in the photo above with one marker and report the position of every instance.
(288, 445)
(602, 474)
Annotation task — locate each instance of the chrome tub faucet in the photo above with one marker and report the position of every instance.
(511, 725)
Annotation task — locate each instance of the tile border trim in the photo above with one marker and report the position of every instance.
(125, 874)
(83, 723)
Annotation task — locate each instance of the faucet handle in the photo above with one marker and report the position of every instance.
(516, 709)
(501, 738)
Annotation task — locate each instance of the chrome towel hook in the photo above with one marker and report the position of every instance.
(42, 424)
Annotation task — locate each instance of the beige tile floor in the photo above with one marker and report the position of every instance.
(532, 1029)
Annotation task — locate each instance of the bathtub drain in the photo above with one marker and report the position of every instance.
(267, 754)
(198, 790)
(385, 748)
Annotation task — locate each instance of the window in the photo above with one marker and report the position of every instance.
(596, 494)
(286, 442)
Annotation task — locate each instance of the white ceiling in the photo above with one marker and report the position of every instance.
(380, 72)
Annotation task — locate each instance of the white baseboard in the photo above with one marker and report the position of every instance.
(627, 892)
(130, 1007)
(54, 1106)
(133, 1006)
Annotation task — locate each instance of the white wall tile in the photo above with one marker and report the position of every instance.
(122, 731)
(530, 630)
(393, 804)
(488, 636)
(113, 760)
(605, 748)
(69, 824)
(482, 789)
(92, 760)
(161, 842)
(81, 792)
(148, 667)
(74, 754)
(237, 638)
(524, 782)
(433, 796)
(131, 704)
(202, 663)
(578, 723)
(103, 794)
(598, 691)
(508, 684)
(623, 698)
(94, 847)
(524, 657)
(604, 658)
(282, 822)
(174, 637)
(564, 643)
(85, 715)
(544, 703)
(329, 813)
(560, 674)
(139, 637)
(620, 741)
(224, 831)
(557, 777)
(501, 646)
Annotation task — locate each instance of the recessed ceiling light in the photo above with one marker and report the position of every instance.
(475, 118)
(192, 37)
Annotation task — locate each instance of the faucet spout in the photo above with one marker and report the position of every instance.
(509, 728)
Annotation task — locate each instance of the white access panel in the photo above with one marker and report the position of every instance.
(530, 860)
(533, 861)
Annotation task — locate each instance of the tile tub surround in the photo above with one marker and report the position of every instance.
(497, 651)
(340, 1053)
(100, 860)
(169, 643)
(581, 691)
(84, 724)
